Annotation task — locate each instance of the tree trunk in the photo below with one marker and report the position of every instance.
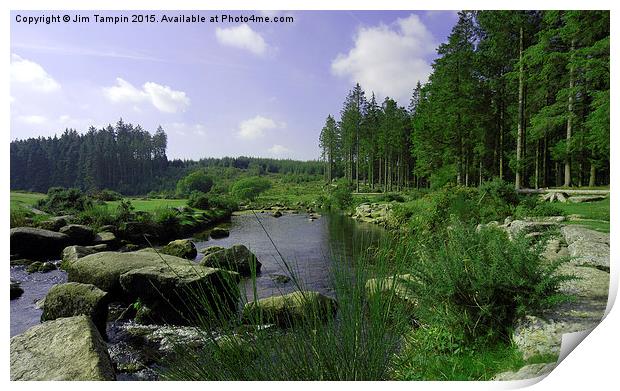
(592, 182)
(520, 134)
(569, 123)
(536, 169)
(501, 141)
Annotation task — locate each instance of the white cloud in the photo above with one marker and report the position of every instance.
(242, 37)
(184, 129)
(32, 119)
(166, 99)
(255, 128)
(31, 75)
(279, 150)
(389, 60)
(163, 98)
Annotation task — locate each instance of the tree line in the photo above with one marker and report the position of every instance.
(125, 158)
(518, 95)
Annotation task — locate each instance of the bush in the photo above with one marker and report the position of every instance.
(196, 181)
(198, 200)
(340, 197)
(532, 207)
(393, 197)
(64, 201)
(475, 285)
(97, 216)
(498, 199)
(107, 195)
(248, 189)
(224, 202)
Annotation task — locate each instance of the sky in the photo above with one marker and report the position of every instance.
(217, 89)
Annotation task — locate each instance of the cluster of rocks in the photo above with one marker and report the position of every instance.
(541, 335)
(373, 213)
(38, 243)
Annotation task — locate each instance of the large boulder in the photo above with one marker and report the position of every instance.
(62, 349)
(237, 258)
(290, 309)
(105, 268)
(211, 249)
(182, 248)
(573, 233)
(527, 372)
(36, 242)
(72, 299)
(78, 234)
(398, 287)
(182, 293)
(521, 227)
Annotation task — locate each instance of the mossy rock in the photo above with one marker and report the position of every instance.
(62, 349)
(182, 248)
(181, 294)
(219, 232)
(211, 249)
(72, 299)
(105, 268)
(35, 242)
(287, 310)
(237, 258)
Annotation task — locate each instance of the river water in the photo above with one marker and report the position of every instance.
(310, 248)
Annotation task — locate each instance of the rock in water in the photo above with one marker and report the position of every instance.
(16, 290)
(36, 242)
(78, 234)
(219, 232)
(287, 310)
(72, 299)
(237, 258)
(211, 249)
(277, 214)
(105, 268)
(182, 248)
(180, 294)
(62, 349)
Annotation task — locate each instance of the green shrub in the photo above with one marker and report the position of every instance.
(475, 285)
(107, 195)
(97, 216)
(497, 201)
(339, 196)
(198, 180)
(531, 207)
(393, 197)
(248, 189)
(198, 200)
(64, 201)
(224, 202)
(20, 217)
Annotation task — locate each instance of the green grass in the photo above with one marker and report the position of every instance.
(26, 200)
(482, 363)
(290, 193)
(151, 205)
(595, 214)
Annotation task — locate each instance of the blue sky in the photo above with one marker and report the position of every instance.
(218, 89)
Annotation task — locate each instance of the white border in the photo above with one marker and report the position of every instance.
(592, 365)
